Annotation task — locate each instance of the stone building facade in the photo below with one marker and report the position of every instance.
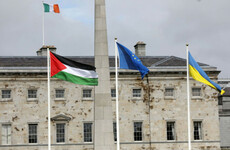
(153, 111)
(224, 116)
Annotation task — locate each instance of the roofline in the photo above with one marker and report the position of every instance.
(165, 67)
(152, 69)
(181, 67)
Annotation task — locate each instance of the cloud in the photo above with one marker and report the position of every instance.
(165, 26)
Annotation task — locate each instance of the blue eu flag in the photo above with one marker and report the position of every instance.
(129, 60)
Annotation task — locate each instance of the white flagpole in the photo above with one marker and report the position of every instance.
(48, 79)
(188, 101)
(117, 104)
(43, 25)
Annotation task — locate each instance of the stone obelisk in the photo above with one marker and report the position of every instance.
(103, 139)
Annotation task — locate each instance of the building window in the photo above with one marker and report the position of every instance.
(6, 134)
(170, 130)
(220, 101)
(87, 93)
(115, 131)
(197, 130)
(169, 92)
(196, 92)
(33, 133)
(60, 132)
(136, 92)
(88, 132)
(32, 93)
(60, 93)
(113, 93)
(137, 131)
(6, 94)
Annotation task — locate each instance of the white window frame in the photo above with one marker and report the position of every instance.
(32, 123)
(137, 97)
(6, 99)
(201, 130)
(8, 135)
(194, 96)
(65, 132)
(113, 98)
(173, 131)
(92, 131)
(87, 98)
(60, 119)
(60, 98)
(142, 135)
(169, 96)
(32, 99)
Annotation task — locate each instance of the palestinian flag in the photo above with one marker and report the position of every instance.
(49, 8)
(72, 71)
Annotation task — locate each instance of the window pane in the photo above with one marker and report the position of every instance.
(6, 134)
(136, 92)
(32, 93)
(6, 93)
(137, 131)
(60, 133)
(32, 133)
(88, 132)
(196, 91)
(113, 92)
(170, 130)
(197, 130)
(115, 131)
(169, 92)
(60, 93)
(87, 93)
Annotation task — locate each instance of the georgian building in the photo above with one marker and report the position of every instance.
(224, 114)
(153, 111)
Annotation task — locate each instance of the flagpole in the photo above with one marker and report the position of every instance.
(43, 26)
(117, 105)
(48, 79)
(188, 101)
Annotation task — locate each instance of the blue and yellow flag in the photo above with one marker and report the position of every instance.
(129, 60)
(198, 74)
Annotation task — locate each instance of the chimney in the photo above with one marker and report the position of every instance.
(140, 48)
(43, 50)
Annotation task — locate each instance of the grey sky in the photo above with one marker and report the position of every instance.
(164, 25)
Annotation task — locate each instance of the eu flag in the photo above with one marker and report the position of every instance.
(129, 60)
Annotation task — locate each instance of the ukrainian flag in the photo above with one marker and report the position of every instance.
(198, 74)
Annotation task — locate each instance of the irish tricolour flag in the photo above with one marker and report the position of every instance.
(72, 71)
(49, 8)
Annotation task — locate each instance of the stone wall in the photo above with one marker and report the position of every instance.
(19, 112)
(225, 122)
(162, 110)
